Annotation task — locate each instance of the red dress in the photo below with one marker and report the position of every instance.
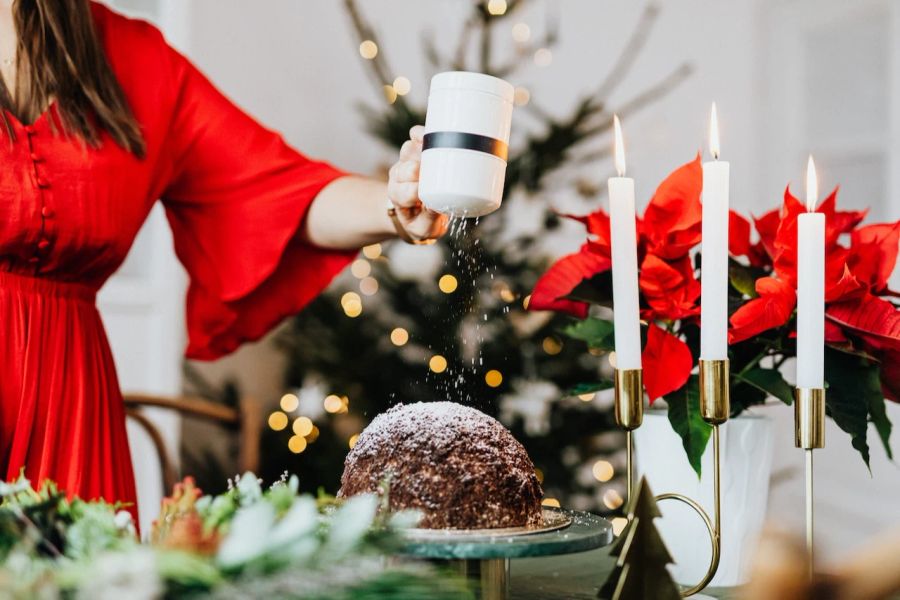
(235, 195)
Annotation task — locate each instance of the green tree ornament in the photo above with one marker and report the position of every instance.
(641, 555)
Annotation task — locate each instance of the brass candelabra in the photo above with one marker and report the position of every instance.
(715, 407)
(809, 434)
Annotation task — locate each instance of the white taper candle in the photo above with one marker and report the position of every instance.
(811, 289)
(623, 238)
(714, 245)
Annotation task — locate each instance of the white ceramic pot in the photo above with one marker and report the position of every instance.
(746, 445)
(466, 143)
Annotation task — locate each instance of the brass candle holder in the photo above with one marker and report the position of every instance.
(715, 408)
(809, 434)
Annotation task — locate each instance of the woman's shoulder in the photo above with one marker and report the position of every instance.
(136, 50)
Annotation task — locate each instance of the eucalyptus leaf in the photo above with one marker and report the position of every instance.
(247, 538)
(684, 415)
(350, 524)
(769, 381)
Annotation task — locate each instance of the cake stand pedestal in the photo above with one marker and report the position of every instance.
(483, 555)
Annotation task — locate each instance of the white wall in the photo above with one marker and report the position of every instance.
(295, 65)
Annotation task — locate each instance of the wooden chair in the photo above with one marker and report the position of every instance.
(245, 420)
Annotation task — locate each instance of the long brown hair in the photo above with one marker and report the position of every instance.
(60, 59)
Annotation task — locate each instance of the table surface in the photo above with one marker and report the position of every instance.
(573, 577)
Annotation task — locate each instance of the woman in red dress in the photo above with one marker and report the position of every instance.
(102, 119)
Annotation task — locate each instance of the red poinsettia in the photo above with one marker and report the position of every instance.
(855, 275)
(861, 318)
(668, 232)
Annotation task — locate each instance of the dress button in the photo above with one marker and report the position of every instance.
(36, 157)
(47, 212)
(43, 244)
(29, 129)
(42, 183)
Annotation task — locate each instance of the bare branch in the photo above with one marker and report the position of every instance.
(630, 51)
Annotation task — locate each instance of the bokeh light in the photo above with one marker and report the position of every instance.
(399, 336)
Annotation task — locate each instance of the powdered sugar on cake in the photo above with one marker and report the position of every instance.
(457, 465)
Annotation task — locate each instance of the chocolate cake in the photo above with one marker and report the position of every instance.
(459, 467)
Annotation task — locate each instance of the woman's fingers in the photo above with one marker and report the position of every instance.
(410, 150)
(405, 171)
(404, 194)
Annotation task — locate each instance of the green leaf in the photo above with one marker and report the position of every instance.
(684, 415)
(589, 388)
(769, 381)
(742, 279)
(882, 423)
(848, 396)
(598, 333)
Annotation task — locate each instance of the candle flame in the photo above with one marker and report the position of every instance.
(714, 133)
(620, 147)
(812, 185)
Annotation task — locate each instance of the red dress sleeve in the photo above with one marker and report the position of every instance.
(236, 200)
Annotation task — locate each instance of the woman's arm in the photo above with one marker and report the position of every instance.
(351, 212)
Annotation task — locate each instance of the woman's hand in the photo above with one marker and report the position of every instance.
(403, 191)
(350, 212)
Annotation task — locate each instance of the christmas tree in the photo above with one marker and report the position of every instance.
(448, 321)
(641, 555)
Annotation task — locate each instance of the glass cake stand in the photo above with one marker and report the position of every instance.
(483, 555)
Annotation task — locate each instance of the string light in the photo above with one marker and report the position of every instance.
(521, 32)
(399, 336)
(521, 96)
(369, 286)
(333, 404)
(278, 421)
(507, 295)
(361, 268)
(289, 402)
(437, 364)
(297, 444)
(612, 499)
(550, 502)
(352, 441)
(586, 397)
(352, 304)
(539, 474)
(493, 378)
(496, 7)
(402, 86)
(345, 405)
(603, 471)
(619, 524)
(543, 57)
(368, 49)
(313, 435)
(448, 283)
(551, 345)
(390, 94)
(303, 426)
(372, 252)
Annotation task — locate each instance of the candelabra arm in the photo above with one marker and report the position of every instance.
(715, 409)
